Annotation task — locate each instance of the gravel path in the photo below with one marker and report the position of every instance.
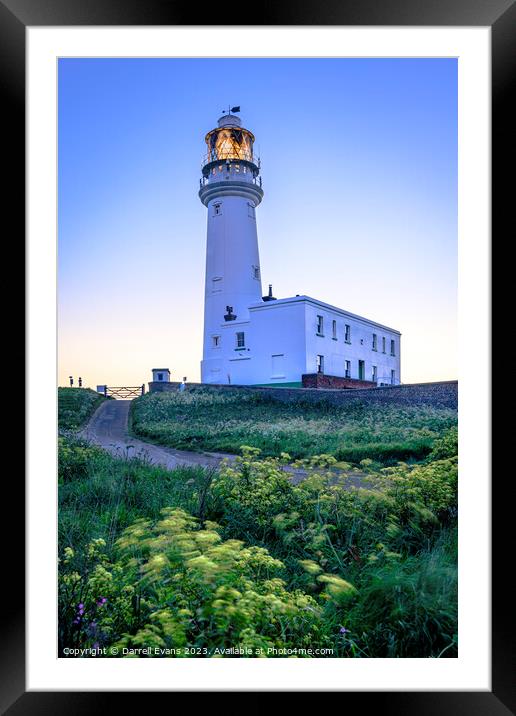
(107, 428)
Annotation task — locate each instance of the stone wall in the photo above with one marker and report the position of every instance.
(442, 394)
(321, 380)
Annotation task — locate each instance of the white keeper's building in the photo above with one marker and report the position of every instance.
(251, 339)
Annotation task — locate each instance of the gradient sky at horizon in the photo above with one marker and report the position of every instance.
(359, 167)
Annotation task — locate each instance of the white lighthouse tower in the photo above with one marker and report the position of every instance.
(231, 191)
(251, 339)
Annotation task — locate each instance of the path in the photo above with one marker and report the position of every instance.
(107, 428)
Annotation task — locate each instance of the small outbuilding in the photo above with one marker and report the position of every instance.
(160, 375)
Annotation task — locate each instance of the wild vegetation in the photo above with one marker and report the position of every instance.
(223, 420)
(242, 562)
(75, 406)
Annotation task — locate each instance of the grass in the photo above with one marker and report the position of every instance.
(222, 421)
(200, 559)
(100, 495)
(380, 564)
(76, 406)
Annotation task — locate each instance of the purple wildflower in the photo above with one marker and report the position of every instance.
(343, 630)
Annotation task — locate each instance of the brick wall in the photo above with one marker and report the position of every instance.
(321, 380)
(443, 394)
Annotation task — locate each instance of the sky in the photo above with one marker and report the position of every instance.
(359, 169)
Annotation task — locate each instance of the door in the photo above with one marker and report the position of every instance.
(361, 369)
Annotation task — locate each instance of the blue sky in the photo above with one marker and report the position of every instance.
(359, 167)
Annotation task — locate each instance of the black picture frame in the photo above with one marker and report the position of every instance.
(15, 17)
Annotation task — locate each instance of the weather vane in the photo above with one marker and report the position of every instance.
(231, 109)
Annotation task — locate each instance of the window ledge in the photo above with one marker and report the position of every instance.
(334, 339)
(240, 349)
(321, 335)
(348, 342)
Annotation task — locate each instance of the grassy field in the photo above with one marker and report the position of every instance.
(242, 562)
(223, 421)
(188, 562)
(75, 406)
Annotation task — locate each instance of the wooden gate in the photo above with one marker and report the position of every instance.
(124, 392)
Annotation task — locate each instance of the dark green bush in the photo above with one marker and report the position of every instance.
(408, 607)
(446, 446)
(386, 454)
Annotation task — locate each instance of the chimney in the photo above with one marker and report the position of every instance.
(269, 297)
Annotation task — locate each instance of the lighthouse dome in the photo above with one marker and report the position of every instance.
(229, 120)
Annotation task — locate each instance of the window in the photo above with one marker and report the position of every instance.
(347, 333)
(278, 365)
(240, 339)
(374, 375)
(160, 376)
(320, 325)
(347, 369)
(256, 272)
(393, 350)
(250, 211)
(215, 341)
(393, 377)
(217, 209)
(375, 342)
(320, 364)
(237, 168)
(383, 344)
(334, 329)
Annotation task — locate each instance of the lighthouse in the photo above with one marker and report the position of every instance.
(252, 339)
(231, 191)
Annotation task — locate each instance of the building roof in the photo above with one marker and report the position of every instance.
(229, 120)
(168, 371)
(270, 305)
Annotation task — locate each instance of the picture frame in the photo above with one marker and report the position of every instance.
(500, 16)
